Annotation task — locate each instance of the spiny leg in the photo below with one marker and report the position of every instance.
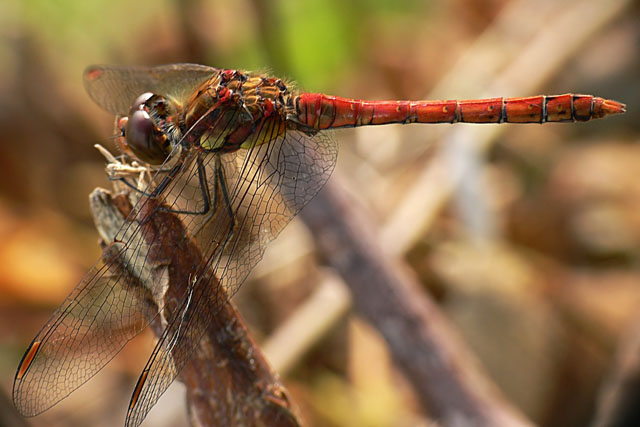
(160, 188)
(220, 195)
(222, 182)
(203, 185)
(204, 189)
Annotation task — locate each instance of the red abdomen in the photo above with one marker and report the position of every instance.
(321, 111)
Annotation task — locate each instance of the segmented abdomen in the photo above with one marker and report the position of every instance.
(321, 111)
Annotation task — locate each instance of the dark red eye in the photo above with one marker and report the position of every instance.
(143, 139)
(138, 131)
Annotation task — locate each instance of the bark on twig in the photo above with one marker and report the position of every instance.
(228, 380)
(446, 377)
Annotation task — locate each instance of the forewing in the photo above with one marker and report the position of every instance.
(95, 321)
(105, 310)
(267, 186)
(175, 346)
(115, 88)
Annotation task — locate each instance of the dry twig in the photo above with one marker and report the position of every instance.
(385, 292)
(228, 380)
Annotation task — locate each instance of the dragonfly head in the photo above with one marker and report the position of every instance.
(141, 132)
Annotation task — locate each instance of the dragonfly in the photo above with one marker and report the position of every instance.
(235, 155)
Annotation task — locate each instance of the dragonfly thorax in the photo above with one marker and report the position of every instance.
(234, 110)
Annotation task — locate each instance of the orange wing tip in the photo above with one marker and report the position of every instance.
(609, 106)
(27, 359)
(93, 73)
(138, 389)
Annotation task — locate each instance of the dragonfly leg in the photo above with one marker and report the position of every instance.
(206, 199)
(220, 192)
(160, 188)
(225, 197)
(204, 188)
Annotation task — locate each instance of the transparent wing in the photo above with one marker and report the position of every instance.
(103, 312)
(266, 186)
(175, 346)
(115, 88)
(95, 321)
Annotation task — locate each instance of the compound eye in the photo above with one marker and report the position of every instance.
(148, 144)
(138, 131)
(139, 102)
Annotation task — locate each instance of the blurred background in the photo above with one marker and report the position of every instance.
(532, 251)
